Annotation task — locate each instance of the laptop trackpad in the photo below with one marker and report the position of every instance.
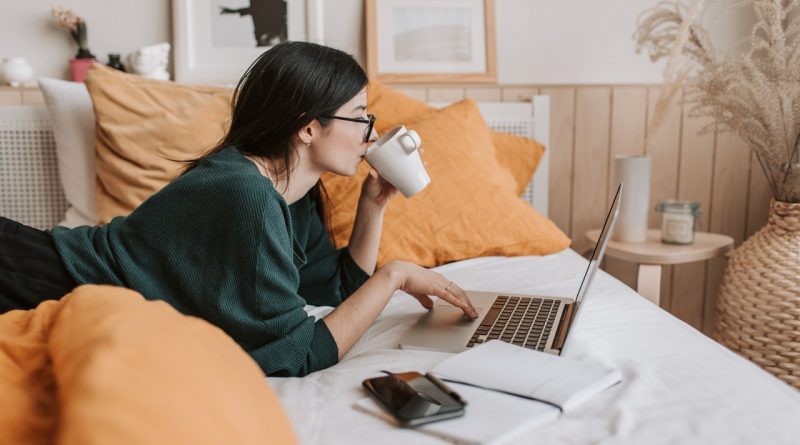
(448, 317)
(444, 328)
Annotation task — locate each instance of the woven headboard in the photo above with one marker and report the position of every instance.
(30, 189)
(528, 119)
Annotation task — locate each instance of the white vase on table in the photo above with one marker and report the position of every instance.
(634, 171)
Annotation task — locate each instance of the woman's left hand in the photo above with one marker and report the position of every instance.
(376, 191)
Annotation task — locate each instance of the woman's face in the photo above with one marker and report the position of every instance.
(340, 147)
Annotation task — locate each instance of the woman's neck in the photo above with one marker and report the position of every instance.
(303, 178)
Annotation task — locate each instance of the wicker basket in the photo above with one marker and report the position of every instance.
(759, 298)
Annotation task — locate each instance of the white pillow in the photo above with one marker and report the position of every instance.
(73, 128)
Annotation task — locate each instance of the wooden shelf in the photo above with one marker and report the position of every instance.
(20, 95)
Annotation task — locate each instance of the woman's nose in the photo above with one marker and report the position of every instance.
(373, 136)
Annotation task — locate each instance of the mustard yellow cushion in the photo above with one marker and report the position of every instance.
(104, 366)
(518, 154)
(143, 125)
(471, 208)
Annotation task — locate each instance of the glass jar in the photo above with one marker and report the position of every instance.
(678, 220)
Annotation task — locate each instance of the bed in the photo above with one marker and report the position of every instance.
(679, 386)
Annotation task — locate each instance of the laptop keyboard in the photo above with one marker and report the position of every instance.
(521, 321)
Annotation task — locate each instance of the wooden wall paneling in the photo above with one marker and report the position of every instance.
(562, 139)
(10, 96)
(758, 199)
(728, 211)
(592, 125)
(484, 94)
(628, 121)
(664, 154)
(519, 94)
(695, 176)
(419, 93)
(445, 94)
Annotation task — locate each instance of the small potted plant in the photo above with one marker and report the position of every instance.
(67, 19)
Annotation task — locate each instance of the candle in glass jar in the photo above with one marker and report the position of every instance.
(677, 228)
(677, 221)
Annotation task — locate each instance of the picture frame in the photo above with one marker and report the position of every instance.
(216, 40)
(431, 41)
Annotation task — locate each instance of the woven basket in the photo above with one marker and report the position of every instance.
(759, 298)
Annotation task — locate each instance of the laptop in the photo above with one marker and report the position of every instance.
(531, 321)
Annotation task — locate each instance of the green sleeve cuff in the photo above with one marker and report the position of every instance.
(353, 276)
(324, 351)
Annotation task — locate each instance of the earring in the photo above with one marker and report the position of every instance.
(308, 144)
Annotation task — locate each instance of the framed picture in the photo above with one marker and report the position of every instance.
(216, 40)
(431, 40)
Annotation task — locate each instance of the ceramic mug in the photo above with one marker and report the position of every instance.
(396, 157)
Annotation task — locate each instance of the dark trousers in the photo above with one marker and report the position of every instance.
(30, 269)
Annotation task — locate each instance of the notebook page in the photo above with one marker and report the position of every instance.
(505, 367)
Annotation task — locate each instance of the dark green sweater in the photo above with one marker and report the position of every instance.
(220, 243)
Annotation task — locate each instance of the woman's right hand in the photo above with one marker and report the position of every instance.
(420, 283)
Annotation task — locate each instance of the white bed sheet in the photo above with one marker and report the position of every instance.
(679, 386)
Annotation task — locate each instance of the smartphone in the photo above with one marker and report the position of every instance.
(415, 399)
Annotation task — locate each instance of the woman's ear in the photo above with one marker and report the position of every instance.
(308, 132)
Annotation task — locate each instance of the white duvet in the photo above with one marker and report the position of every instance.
(679, 386)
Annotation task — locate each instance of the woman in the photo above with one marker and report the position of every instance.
(238, 239)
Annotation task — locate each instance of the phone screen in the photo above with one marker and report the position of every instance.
(414, 399)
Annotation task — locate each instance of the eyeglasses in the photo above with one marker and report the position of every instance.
(370, 121)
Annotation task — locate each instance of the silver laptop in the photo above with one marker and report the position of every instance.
(531, 321)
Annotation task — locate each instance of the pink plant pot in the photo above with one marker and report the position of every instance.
(79, 68)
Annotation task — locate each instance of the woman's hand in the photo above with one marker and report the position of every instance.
(420, 283)
(376, 191)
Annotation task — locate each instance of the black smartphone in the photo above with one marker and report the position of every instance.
(414, 399)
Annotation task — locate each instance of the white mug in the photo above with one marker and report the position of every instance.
(396, 157)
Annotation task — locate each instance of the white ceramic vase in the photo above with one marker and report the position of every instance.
(634, 171)
(17, 71)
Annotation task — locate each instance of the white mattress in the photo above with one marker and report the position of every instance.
(679, 386)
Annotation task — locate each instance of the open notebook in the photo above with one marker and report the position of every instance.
(509, 390)
(561, 382)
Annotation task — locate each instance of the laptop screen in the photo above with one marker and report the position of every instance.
(600, 247)
(571, 311)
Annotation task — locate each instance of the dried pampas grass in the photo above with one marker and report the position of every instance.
(755, 95)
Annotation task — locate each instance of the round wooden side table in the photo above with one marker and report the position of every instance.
(653, 254)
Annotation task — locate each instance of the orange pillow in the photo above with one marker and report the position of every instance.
(392, 108)
(142, 124)
(104, 366)
(471, 207)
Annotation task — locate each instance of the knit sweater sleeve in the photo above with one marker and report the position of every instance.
(293, 343)
(330, 275)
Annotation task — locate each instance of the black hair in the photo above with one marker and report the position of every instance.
(283, 90)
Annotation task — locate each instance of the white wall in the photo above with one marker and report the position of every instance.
(538, 41)
(27, 29)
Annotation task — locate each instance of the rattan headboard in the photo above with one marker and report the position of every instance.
(30, 188)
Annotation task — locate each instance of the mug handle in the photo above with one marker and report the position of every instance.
(410, 141)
